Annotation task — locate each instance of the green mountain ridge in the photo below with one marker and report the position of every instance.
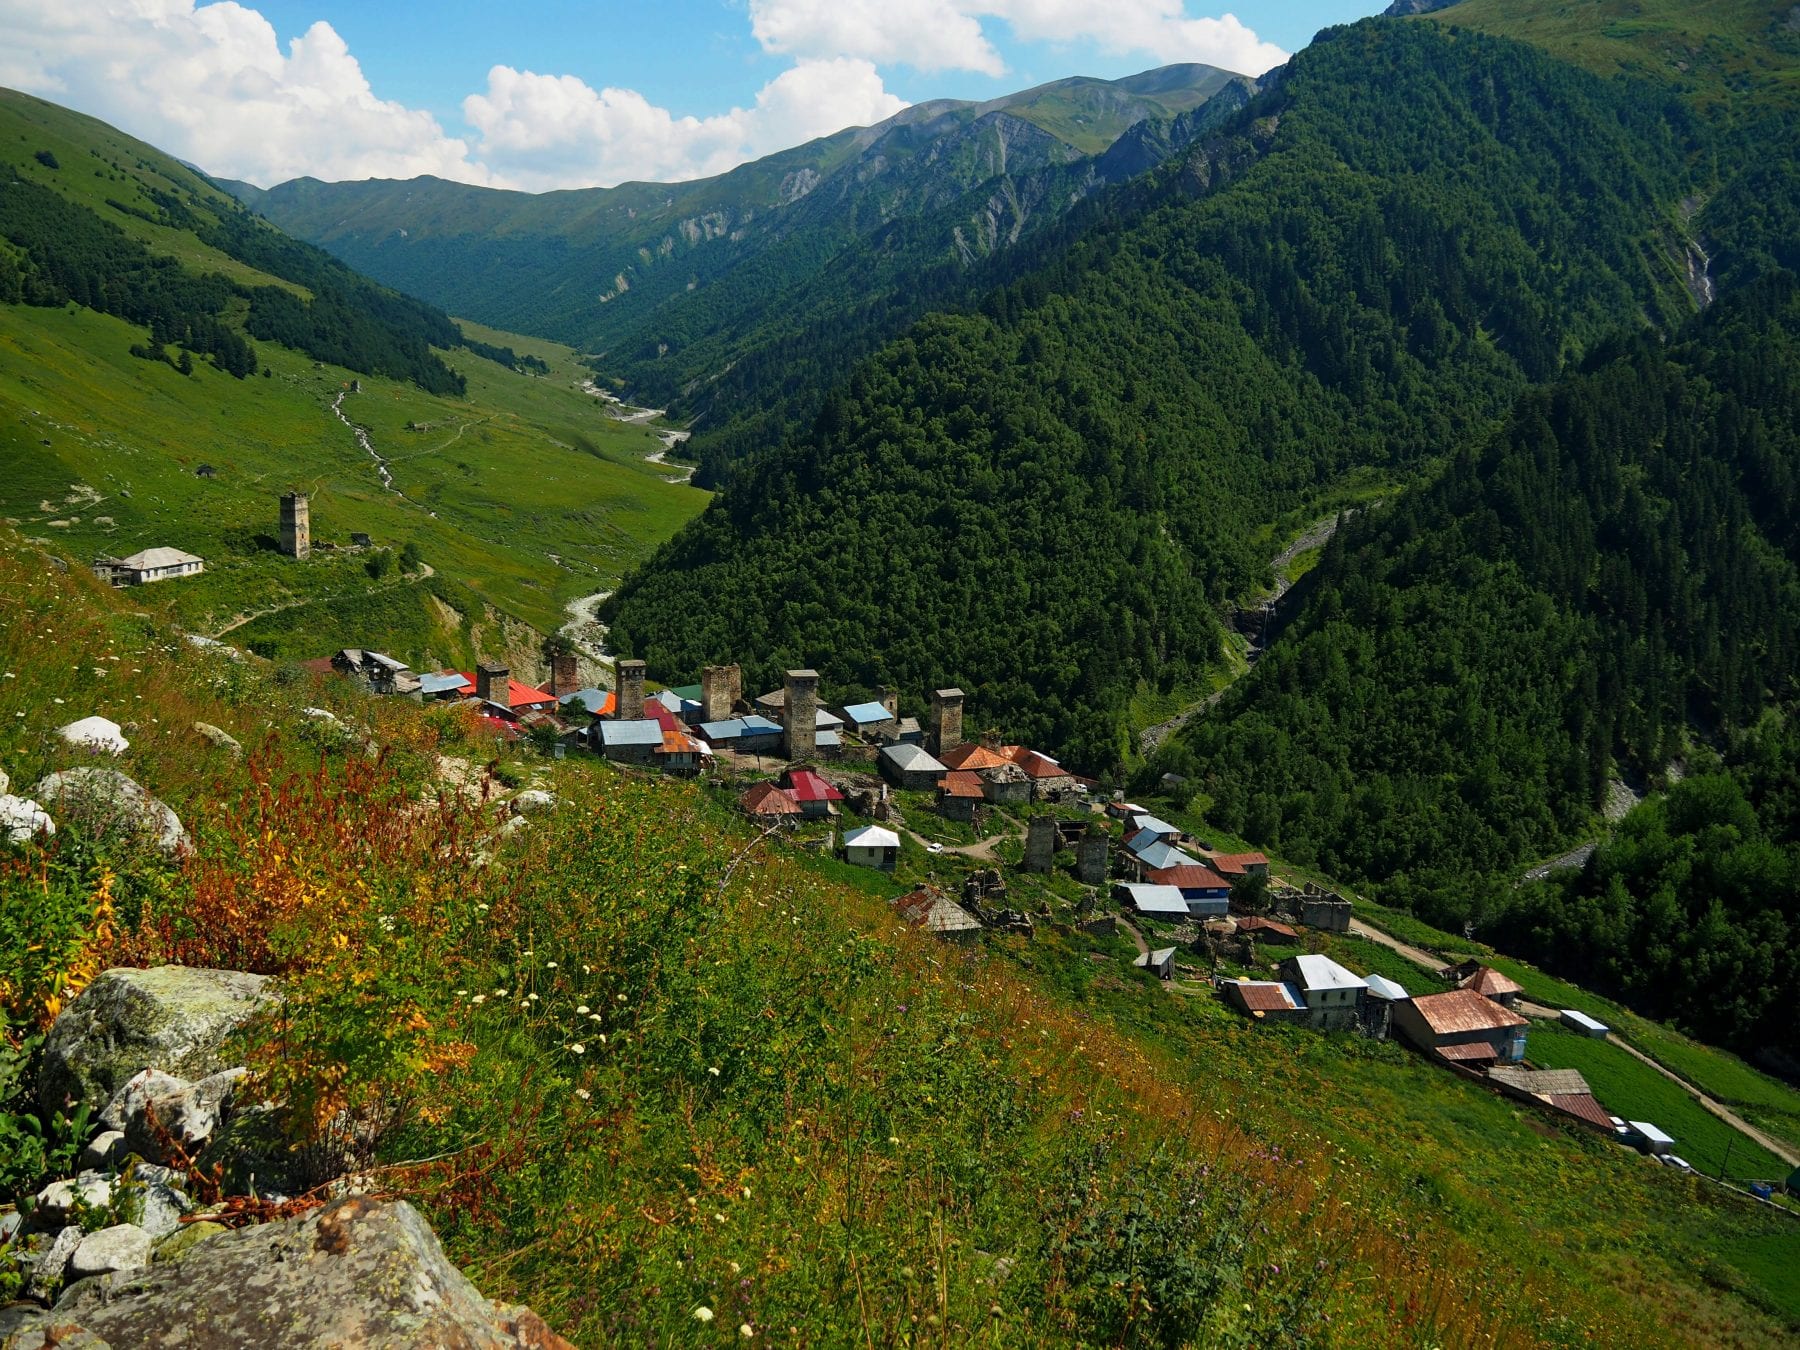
(1317, 291)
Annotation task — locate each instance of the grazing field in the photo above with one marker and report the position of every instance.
(520, 496)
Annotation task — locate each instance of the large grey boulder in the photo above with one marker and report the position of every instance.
(154, 1107)
(358, 1272)
(533, 802)
(22, 820)
(105, 801)
(59, 1202)
(123, 1247)
(100, 734)
(173, 1018)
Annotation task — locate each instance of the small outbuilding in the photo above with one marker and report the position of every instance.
(1265, 1000)
(1647, 1137)
(872, 846)
(930, 909)
(959, 793)
(1581, 1022)
(1159, 902)
(1160, 963)
(1490, 983)
(637, 742)
(768, 804)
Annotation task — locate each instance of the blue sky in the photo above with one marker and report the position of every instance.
(551, 93)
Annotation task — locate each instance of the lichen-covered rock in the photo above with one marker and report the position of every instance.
(105, 801)
(185, 1238)
(157, 1208)
(123, 1247)
(49, 1264)
(533, 802)
(105, 1150)
(57, 1204)
(153, 1107)
(22, 820)
(173, 1018)
(358, 1272)
(221, 738)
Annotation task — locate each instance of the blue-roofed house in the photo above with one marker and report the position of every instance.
(445, 684)
(868, 719)
(1161, 902)
(1164, 831)
(594, 702)
(752, 735)
(634, 742)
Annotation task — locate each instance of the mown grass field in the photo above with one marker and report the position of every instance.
(521, 496)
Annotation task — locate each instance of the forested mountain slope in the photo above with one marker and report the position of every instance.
(592, 267)
(1615, 572)
(1045, 501)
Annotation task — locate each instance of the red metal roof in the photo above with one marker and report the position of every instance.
(807, 786)
(1463, 1010)
(1189, 876)
(1583, 1106)
(519, 696)
(1034, 764)
(765, 799)
(678, 743)
(960, 783)
(1491, 983)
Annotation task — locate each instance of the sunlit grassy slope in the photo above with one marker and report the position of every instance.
(1720, 51)
(520, 495)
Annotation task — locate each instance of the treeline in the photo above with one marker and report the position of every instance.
(1047, 501)
(67, 253)
(506, 356)
(1691, 912)
(1615, 572)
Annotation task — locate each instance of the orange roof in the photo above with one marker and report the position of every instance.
(1462, 1010)
(1263, 996)
(1189, 875)
(972, 757)
(960, 783)
(676, 743)
(1034, 764)
(765, 799)
(1491, 983)
(1255, 923)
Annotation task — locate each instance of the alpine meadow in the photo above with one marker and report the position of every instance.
(1144, 711)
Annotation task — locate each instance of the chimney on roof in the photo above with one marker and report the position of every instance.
(719, 690)
(564, 678)
(631, 691)
(888, 699)
(493, 684)
(801, 712)
(946, 720)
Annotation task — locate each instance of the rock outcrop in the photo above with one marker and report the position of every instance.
(358, 1272)
(173, 1018)
(22, 819)
(105, 801)
(99, 734)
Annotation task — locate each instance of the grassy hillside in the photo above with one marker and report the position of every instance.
(1722, 52)
(651, 1066)
(519, 493)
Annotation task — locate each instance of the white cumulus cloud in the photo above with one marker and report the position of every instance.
(948, 34)
(559, 131)
(211, 84)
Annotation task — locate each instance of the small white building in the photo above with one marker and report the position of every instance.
(872, 846)
(1651, 1139)
(1160, 963)
(1333, 995)
(1580, 1021)
(152, 564)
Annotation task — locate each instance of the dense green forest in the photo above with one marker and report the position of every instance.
(1046, 501)
(1614, 575)
(62, 252)
(1692, 911)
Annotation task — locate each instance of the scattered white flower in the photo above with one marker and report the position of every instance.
(894, 1139)
(549, 965)
(531, 998)
(479, 998)
(746, 1330)
(714, 1071)
(56, 700)
(584, 1094)
(581, 1010)
(703, 1313)
(579, 1048)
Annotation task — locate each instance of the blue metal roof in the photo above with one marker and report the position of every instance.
(1164, 855)
(728, 730)
(866, 714)
(829, 740)
(757, 725)
(643, 732)
(441, 684)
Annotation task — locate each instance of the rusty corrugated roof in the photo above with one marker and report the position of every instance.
(765, 799)
(1478, 1050)
(1265, 996)
(1464, 1010)
(960, 783)
(1583, 1106)
(1491, 983)
(973, 757)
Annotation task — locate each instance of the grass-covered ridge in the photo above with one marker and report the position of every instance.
(654, 1066)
